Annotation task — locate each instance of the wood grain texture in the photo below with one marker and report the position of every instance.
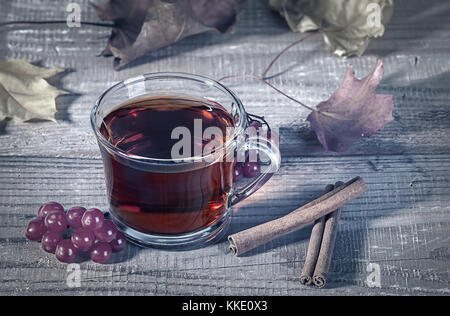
(401, 225)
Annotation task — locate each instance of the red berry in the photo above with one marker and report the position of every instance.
(256, 125)
(56, 222)
(74, 216)
(93, 219)
(251, 169)
(66, 252)
(107, 232)
(35, 230)
(83, 239)
(101, 252)
(50, 240)
(48, 208)
(238, 172)
(119, 243)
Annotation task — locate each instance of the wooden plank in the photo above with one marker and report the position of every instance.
(401, 224)
(413, 76)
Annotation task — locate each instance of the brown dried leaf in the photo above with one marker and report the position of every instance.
(142, 26)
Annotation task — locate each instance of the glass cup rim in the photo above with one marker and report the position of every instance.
(237, 130)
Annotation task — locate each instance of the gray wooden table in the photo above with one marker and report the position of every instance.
(400, 227)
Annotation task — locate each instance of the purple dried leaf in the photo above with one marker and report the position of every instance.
(353, 112)
(142, 26)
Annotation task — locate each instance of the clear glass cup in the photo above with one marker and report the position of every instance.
(176, 84)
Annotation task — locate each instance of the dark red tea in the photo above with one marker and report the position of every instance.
(158, 202)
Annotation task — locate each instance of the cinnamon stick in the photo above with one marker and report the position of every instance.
(314, 247)
(251, 238)
(327, 246)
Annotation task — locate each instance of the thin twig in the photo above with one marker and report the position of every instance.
(262, 78)
(284, 51)
(54, 22)
(271, 86)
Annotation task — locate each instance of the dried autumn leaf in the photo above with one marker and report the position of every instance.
(24, 92)
(142, 26)
(354, 111)
(347, 25)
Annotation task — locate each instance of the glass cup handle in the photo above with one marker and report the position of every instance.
(272, 151)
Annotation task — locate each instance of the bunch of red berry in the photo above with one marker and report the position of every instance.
(90, 232)
(250, 169)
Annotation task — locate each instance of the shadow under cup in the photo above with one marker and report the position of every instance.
(177, 202)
